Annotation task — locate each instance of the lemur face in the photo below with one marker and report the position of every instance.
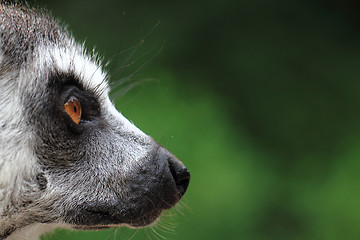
(67, 156)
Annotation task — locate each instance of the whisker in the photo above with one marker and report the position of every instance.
(110, 235)
(124, 80)
(122, 91)
(126, 63)
(177, 210)
(115, 233)
(147, 234)
(182, 204)
(153, 229)
(169, 213)
(134, 234)
(116, 56)
(164, 228)
(137, 46)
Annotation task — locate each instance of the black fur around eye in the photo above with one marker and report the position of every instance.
(86, 102)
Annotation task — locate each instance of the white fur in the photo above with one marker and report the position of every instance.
(15, 142)
(34, 231)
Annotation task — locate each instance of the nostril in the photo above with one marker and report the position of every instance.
(177, 177)
(180, 175)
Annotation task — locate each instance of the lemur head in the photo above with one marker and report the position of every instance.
(67, 156)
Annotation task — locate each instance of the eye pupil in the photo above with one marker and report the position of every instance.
(75, 109)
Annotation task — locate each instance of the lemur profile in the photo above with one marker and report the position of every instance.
(68, 158)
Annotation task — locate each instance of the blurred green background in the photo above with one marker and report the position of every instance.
(260, 100)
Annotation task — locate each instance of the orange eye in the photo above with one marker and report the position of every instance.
(73, 109)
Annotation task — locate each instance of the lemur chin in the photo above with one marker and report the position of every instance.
(68, 158)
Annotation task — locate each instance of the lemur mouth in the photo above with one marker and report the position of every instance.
(97, 220)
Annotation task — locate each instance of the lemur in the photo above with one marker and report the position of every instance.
(68, 158)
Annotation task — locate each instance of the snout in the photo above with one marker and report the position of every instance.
(161, 187)
(155, 185)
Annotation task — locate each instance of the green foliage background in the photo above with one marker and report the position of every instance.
(260, 99)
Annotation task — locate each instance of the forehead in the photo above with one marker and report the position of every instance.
(33, 42)
(23, 29)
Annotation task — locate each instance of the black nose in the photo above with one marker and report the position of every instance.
(180, 174)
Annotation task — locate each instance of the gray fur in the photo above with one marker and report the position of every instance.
(101, 173)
